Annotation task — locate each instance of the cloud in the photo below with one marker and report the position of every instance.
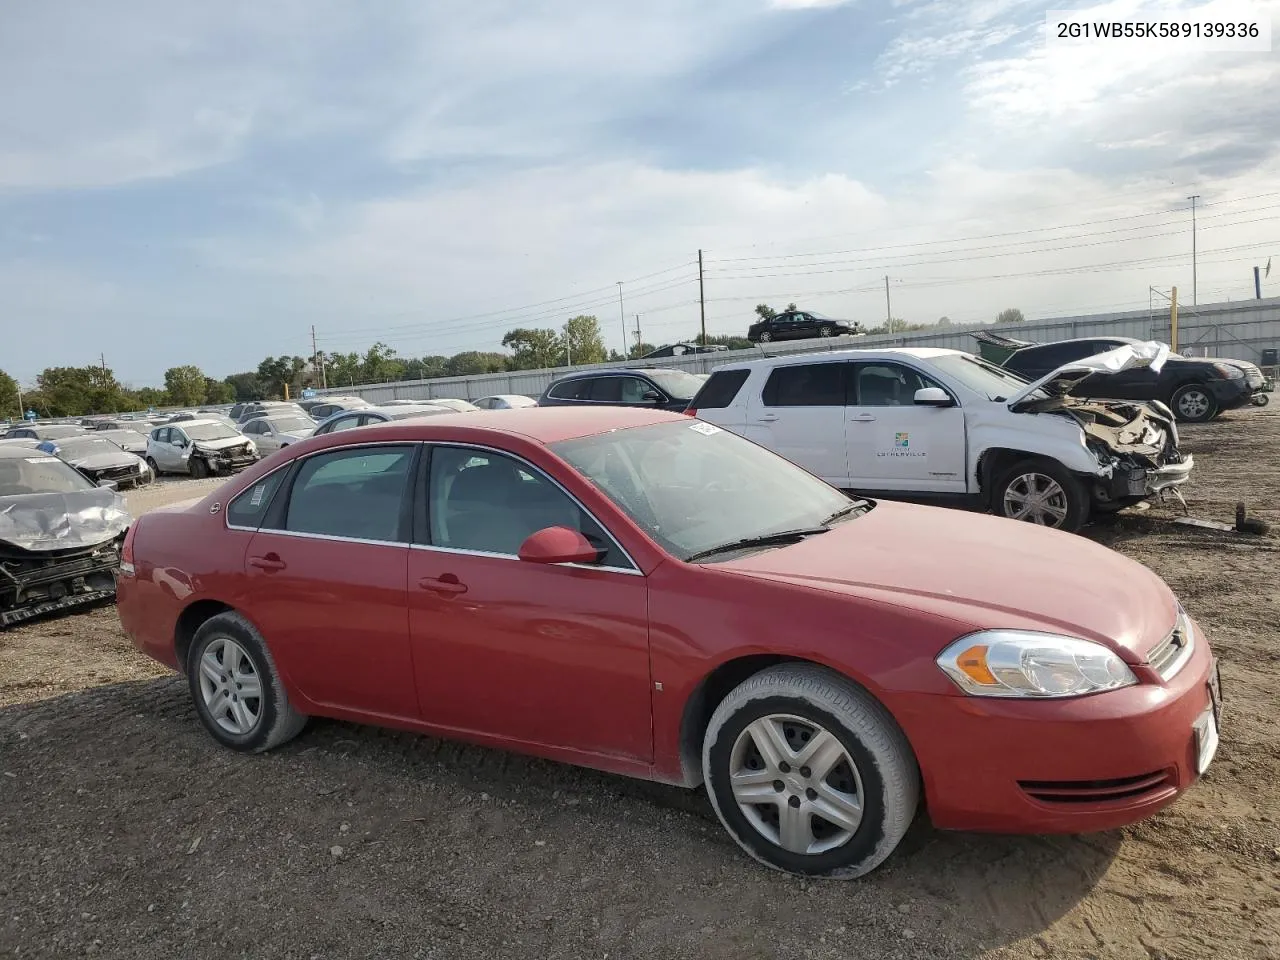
(806, 4)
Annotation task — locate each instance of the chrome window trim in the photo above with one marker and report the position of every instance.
(629, 571)
(635, 567)
(331, 537)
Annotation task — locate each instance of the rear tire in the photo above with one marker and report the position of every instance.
(863, 776)
(237, 689)
(1193, 403)
(1041, 492)
(199, 469)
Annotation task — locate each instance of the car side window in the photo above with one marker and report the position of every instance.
(606, 389)
(579, 389)
(343, 423)
(634, 389)
(177, 437)
(160, 435)
(250, 507)
(887, 385)
(357, 493)
(490, 503)
(806, 385)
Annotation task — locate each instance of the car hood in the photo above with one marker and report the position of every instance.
(1060, 382)
(223, 444)
(103, 461)
(981, 572)
(62, 521)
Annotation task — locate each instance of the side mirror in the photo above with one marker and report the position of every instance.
(107, 484)
(933, 397)
(652, 396)
(558, 545)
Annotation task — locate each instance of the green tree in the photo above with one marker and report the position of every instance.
(218, 391)
(277, 373)
(151, 397)
(733, 343)
(582, 340)
(1011, 315)
(9, 397)
(532, 349)
(639, 350)
(380, 364)
(943, 322)
(765, 312)
(426, 368)
(791, 306)
(245, 386)
(185, 385)
(74, 391)
(473, 362)
(344, 369)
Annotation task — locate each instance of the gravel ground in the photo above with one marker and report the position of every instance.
(125, 832)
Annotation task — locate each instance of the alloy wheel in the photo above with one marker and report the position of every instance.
(1036, 498)
(1193, 404)
(796, 784)
(231, 686)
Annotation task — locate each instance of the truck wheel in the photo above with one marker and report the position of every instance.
(1042, 492)
(1194, 403)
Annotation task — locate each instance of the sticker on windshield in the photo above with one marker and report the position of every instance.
(41, 459)
(704, 428)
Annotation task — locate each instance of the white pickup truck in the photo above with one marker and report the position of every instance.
(943, 423)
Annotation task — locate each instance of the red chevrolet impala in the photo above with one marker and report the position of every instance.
(645, 593)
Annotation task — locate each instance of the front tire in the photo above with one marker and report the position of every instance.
(199, 469)
(155, 470)
(237, 689)
(825, 332)
(1194, 403)
(1042, 492)
(809, 773)
(765, 337)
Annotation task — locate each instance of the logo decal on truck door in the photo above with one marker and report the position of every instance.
(901, 439)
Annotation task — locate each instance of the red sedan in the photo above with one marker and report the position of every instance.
(647, 594)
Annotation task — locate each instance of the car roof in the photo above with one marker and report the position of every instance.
(611, 371)
(543, 425)
(183, 424)
(1056, 343)
(885, 353)
(17, 452)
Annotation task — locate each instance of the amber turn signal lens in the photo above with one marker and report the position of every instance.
(974, 663)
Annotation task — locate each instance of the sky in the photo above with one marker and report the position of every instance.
(186, 182)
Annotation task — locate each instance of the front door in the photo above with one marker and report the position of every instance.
(166, 452)
(894, 444)
(536, 654)
(327, 580)
(800, 415)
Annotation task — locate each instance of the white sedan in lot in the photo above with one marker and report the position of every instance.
(274, 432)
(943, 423)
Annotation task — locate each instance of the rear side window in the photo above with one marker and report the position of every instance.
(606, 389)
(248, 509)
(806, 385)
(720, 390)
(358, 494)
(579, 389)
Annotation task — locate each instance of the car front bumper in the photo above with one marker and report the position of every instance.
(1233, 394)
(1064, 766)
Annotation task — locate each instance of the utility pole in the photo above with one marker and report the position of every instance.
(888, 309)
(316, 362)
(102, 357)
(1257, 283)
(622, 315)
(1173, 321)
(702, 301)
(1194, 293)
(638, 338)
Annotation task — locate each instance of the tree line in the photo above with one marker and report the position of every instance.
(78, 391)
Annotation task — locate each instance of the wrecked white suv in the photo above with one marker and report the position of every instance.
(938, 424)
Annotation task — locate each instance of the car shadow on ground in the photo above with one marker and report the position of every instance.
(470, 815)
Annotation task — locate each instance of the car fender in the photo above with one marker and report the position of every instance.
(1053, 436)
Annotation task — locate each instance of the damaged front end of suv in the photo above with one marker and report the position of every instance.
(60, 538)
(1134, 443)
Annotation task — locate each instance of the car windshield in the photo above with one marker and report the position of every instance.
(57, 432)
(678, 384)
(818, 316)
(208, 431)
(21, 476)
(692, 486)
(995, 383)
(76, 449)
(292, 424)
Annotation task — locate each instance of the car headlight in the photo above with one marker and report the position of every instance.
(1229, 371)
(1022, 663)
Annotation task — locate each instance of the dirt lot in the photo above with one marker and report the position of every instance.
(125, 832)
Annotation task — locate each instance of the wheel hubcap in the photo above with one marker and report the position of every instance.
(231, 686)
(1193, 404)
(1036, 498)
(796, 784)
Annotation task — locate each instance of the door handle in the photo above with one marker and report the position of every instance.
(767, 417)
(270, 562)
(862, 418)
(446, 583)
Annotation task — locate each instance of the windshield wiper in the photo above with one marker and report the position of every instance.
(764, 540)
(856, 506)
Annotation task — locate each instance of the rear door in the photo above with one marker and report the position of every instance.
(894, 444)
(326, 573)
(800, 414)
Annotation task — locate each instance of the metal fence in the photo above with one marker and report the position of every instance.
(1241, 330)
